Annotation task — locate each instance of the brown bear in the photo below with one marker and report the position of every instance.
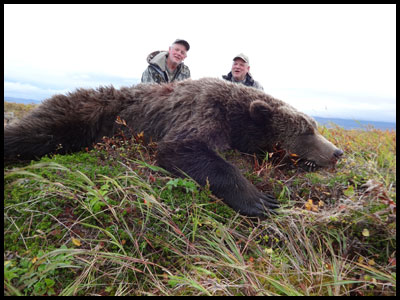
(191, 120)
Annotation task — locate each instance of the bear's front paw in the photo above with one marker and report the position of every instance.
(262, 206)
(267, 202)
(254, 204)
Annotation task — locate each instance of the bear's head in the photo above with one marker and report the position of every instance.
(297, 133)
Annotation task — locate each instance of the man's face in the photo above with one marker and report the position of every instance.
(177, 53)
(240, 69)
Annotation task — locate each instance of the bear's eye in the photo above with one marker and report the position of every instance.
(309, 131)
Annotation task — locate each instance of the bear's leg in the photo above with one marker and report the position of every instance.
(197, 160)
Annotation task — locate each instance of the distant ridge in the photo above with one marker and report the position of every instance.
(355, 124)
(21, 100)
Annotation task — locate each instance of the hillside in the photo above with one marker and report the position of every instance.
(355, 124)
(109, 222)
(18, 109)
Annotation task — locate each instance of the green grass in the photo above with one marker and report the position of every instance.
(109, 222)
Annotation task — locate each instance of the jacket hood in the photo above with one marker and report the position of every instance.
(158, 58)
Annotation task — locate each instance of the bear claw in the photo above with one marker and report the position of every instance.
(266, 205)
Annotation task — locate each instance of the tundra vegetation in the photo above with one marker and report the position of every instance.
(108, 221)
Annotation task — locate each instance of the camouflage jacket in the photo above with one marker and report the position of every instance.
(157, 70)
(249, 81)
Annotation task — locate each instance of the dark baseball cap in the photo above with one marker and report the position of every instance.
(182, 42)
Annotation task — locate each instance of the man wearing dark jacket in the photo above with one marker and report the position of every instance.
(240, 72)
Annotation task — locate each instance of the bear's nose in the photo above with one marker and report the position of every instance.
(338, 153)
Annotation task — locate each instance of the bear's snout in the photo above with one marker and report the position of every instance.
(338, 153)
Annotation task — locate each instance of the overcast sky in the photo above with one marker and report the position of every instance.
(325, 60)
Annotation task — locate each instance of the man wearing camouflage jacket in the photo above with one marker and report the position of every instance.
(167, 66)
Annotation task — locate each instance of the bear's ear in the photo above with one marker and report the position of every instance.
(260, 112)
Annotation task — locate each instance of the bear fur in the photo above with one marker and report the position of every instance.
(191, 120)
